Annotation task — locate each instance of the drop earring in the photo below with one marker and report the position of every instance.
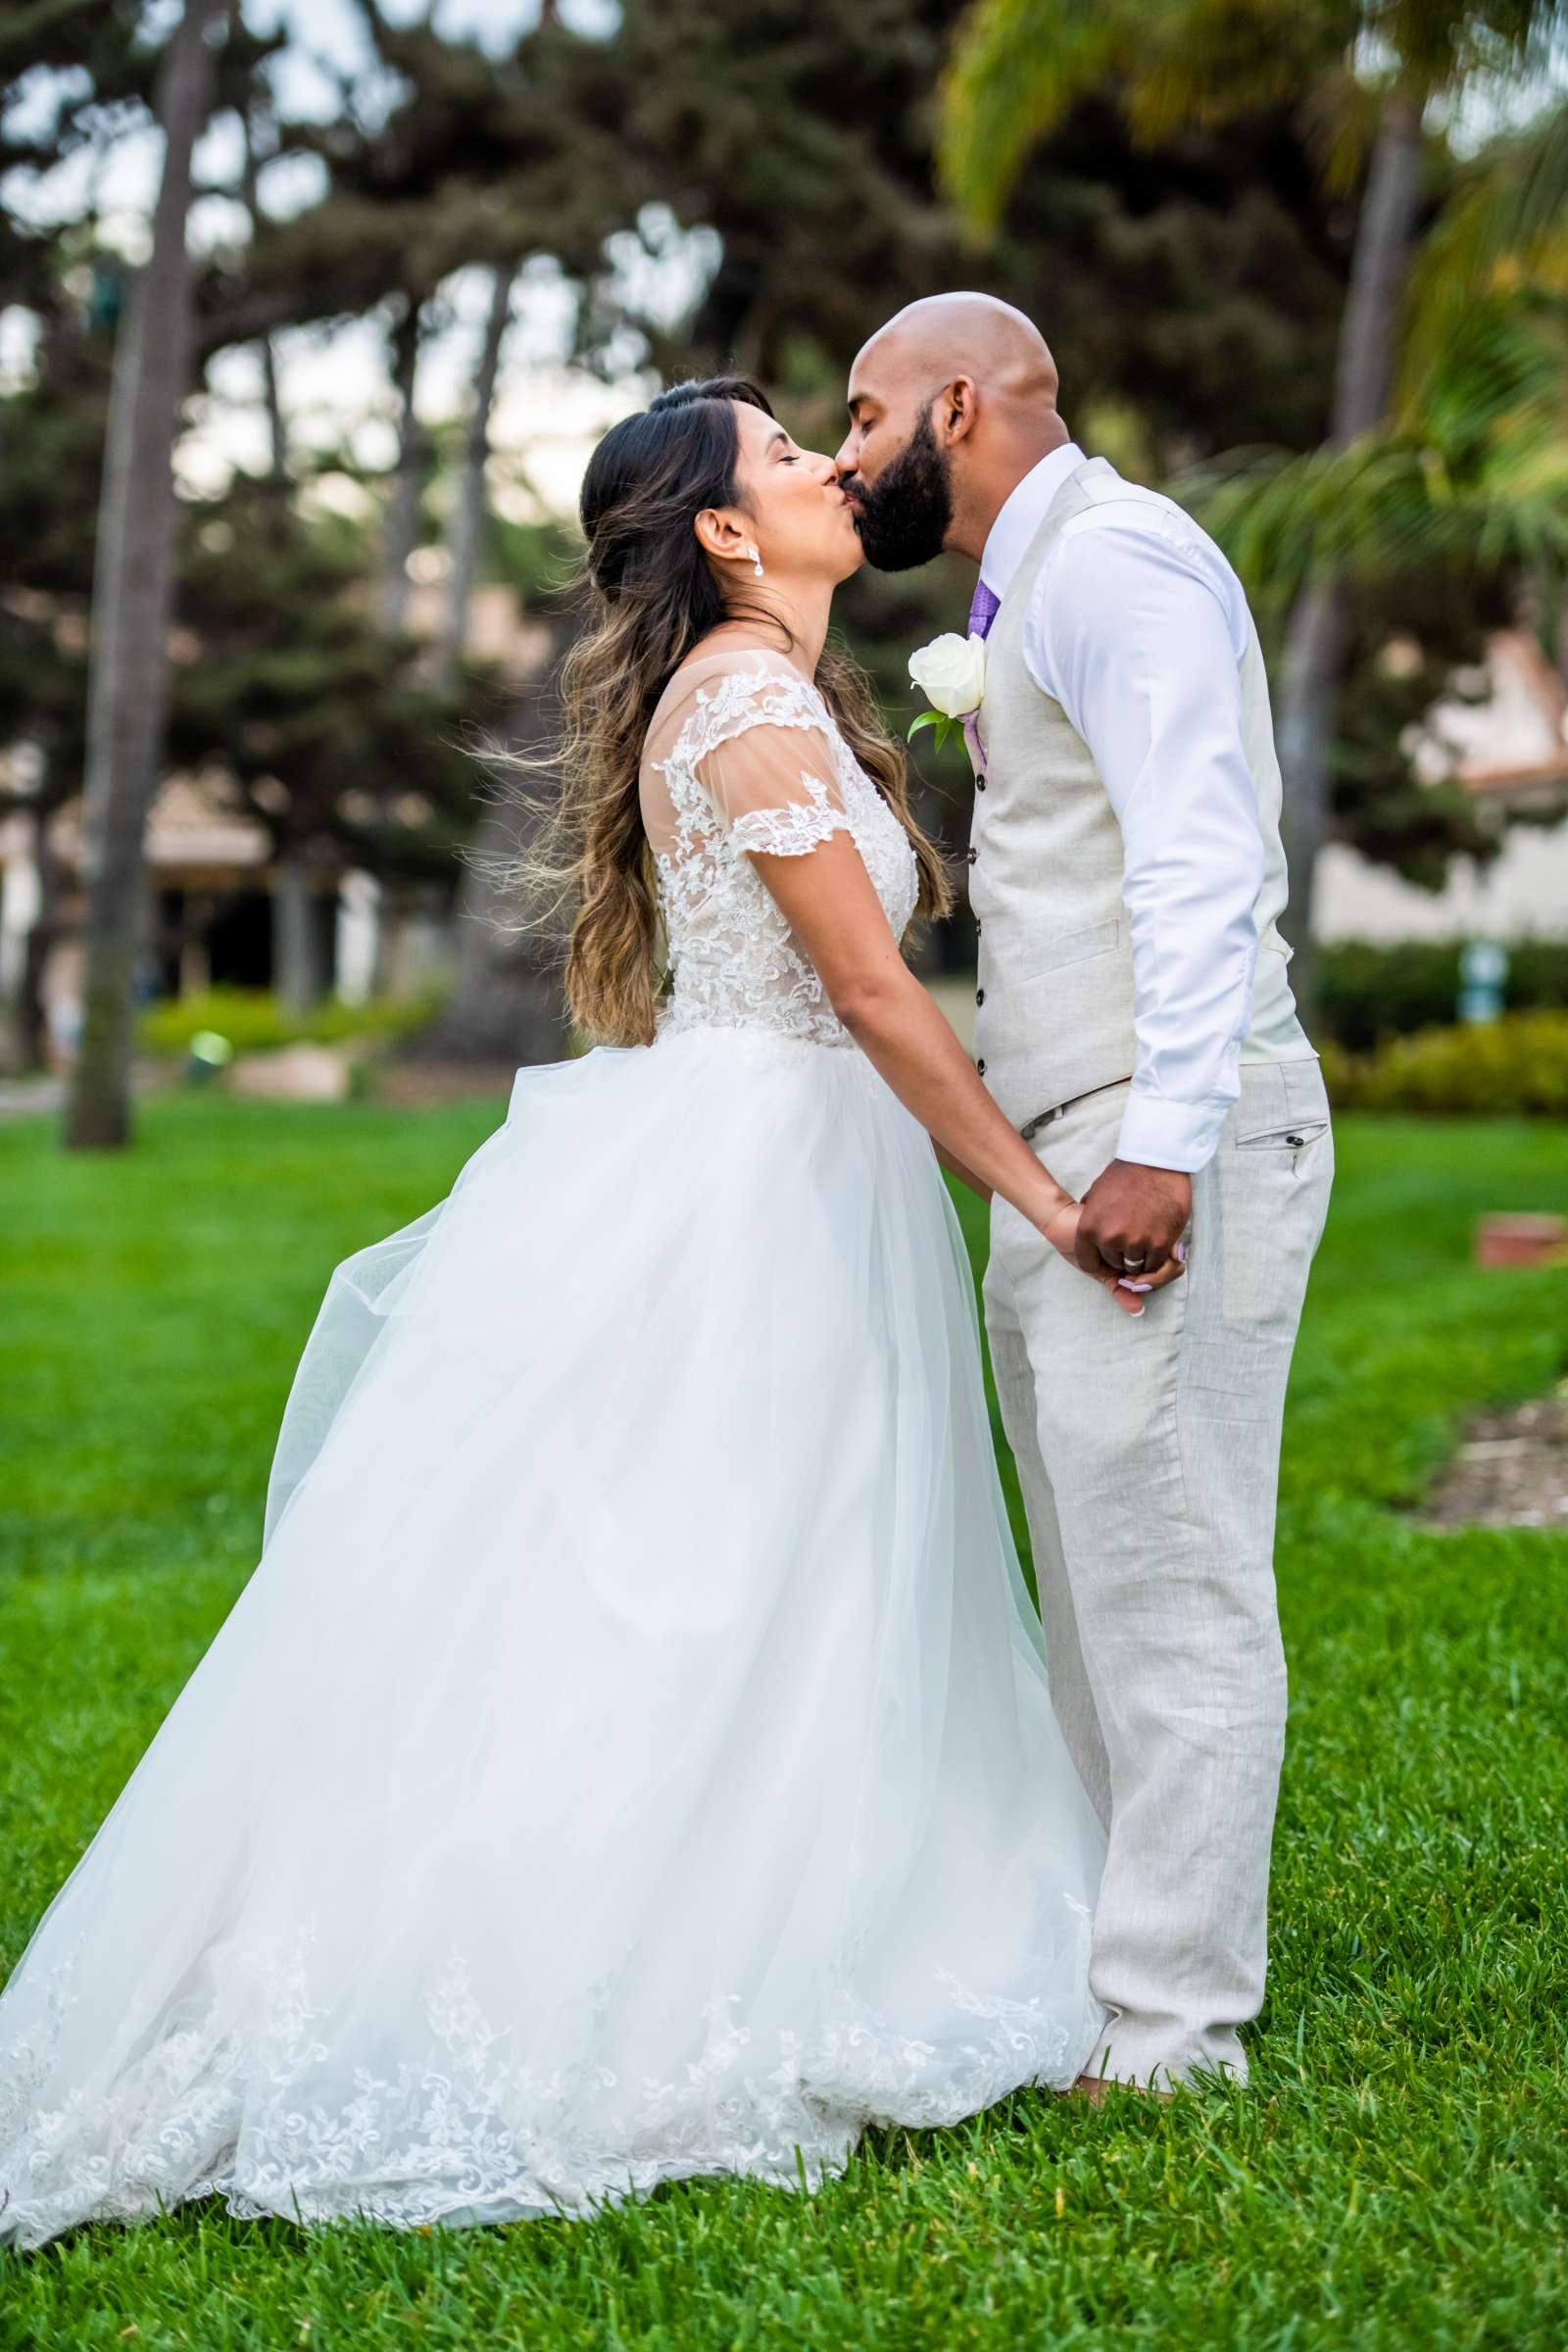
(757, 561)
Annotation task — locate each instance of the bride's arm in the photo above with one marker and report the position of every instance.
(830, 904)
(955, 1167)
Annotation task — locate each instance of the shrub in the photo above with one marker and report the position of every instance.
(1507, 1068)
(255, 1022)
(1367, 991)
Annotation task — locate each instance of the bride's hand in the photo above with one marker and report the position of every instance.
(1060, 1229)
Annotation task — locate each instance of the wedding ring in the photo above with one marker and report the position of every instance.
(1134, 1265)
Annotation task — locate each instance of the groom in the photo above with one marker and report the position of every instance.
(1134, 1020)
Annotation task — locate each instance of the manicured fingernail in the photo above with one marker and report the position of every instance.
(1181, 1252)
(1126, 1284)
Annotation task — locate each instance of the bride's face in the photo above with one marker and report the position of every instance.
(800, 520)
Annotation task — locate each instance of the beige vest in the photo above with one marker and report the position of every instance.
(1054, 1015)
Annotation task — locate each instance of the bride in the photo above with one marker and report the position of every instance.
(631, 1757)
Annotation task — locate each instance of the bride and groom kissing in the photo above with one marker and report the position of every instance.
(636, 1754)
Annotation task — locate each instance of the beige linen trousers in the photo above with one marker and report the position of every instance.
(1149, 1454)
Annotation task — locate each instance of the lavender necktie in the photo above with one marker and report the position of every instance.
(982, 612)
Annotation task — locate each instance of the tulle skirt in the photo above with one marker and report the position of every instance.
(631, 1757)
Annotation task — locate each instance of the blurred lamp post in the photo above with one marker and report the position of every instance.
(1483, 975)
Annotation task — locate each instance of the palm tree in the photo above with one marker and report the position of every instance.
(1473, 472)
(1376, 73)
(133, 585)
(1470, 487)
(1506, 217)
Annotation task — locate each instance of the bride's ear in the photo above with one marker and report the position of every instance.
(721, 533)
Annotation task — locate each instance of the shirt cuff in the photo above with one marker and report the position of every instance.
(1181, 1136)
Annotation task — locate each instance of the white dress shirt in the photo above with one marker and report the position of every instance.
(1137, 625)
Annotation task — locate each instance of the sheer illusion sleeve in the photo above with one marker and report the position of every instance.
(757, 738)
(774, 786)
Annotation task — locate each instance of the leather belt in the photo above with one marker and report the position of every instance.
(1043, 1118)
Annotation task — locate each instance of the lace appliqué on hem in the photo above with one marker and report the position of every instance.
(461, 2134)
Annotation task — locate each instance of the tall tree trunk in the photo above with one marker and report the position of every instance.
(33, 1018)
(271, 398)
(507, 1007)
(298, 976)
(470, 507)
(401, 530)
(1316, 641)
(134, 584)
(24, 1020)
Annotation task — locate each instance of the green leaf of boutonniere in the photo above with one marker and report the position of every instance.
(939, 719)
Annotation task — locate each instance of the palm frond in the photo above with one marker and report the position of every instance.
(1479, 477)
(1018, 68)
(1507, 220)
(1210, 61)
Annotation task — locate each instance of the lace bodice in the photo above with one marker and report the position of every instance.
(743, 756)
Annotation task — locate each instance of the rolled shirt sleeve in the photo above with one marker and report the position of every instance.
(1129, 630)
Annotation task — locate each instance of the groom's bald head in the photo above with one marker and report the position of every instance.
(973, 335)
(951, 404)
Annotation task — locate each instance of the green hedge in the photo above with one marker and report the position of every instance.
(1367, 993)
(255, 1022)
(1518, 1066)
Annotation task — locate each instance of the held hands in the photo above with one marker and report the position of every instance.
(1063, 1228)
(1132, 1223)
(1125, 1233)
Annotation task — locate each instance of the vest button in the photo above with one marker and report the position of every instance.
(979, 783)
(980, 1068)
(979, 996)
(971, 856)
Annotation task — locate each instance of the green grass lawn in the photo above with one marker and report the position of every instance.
(1396, 2177)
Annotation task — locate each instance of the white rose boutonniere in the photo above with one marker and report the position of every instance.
(951, 673)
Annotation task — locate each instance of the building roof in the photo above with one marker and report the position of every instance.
(1509, 739)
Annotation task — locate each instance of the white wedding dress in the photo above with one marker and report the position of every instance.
(631, 1757)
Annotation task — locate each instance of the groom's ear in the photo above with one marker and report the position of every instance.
(955, 410)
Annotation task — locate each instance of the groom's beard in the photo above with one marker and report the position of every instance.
(904, 513)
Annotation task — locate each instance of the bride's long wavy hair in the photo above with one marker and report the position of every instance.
(652, 597)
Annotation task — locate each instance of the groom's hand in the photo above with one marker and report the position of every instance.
(1133, 1212)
